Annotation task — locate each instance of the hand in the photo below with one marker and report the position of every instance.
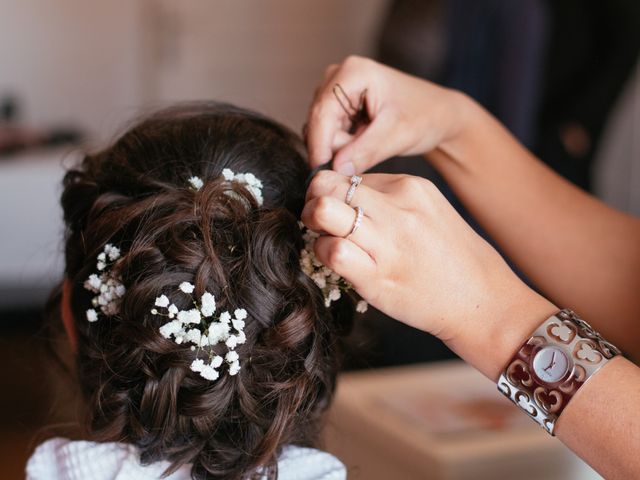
(408, 116)
(416, 259)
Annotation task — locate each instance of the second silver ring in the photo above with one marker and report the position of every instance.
(355, 181)
(357, 221)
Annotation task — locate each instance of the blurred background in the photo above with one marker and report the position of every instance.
(563, 75)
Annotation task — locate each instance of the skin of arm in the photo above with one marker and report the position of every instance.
(578, 251)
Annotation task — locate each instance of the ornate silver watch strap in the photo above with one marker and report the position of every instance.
(547, 371)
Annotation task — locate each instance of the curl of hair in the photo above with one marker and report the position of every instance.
(137, 384)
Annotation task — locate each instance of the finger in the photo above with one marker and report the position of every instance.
(333, 184)
(347, 260)
(325, 120)
(341, 138)
(328, 183)
(327, 116)
(368, 148)
(333, 217)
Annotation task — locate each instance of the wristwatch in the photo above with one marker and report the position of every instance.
(552, 365)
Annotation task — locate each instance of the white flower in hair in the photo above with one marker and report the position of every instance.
(196, 182)
(199, 328)
(248, 180)
(208, 304)
(329, 282)
(228, 174)
(362, 306)
(197, 365)
(162, 301)
(209, 373)
(217, 361)
(108, 288)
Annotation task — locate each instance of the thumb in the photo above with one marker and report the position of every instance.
(368, 148)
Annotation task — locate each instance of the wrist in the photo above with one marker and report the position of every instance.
(465, 117)
(501, 330)
(471, 126)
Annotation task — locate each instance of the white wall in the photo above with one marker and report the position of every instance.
(71, 61)
(95, 63)
(267, 55)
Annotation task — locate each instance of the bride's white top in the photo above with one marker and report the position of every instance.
(62, 459)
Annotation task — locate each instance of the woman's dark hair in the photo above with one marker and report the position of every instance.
(137, 385)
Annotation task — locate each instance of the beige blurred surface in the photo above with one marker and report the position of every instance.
(441, 421)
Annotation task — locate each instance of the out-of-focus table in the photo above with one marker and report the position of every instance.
(31, 226)
(440, 421)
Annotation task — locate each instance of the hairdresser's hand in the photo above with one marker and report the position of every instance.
(416, 259)
(408, 116)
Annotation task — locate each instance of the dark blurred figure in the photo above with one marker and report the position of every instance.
(549, 70)
(593, 48)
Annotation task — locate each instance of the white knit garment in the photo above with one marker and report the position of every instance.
(62, 459)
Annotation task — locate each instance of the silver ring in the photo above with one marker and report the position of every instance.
(355, 181)
(357, 222)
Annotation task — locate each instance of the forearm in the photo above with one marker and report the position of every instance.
(578, 251)
(601, 423)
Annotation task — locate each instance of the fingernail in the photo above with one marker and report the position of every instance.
(346, 169)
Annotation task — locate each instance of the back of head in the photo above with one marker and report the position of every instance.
(138, 384)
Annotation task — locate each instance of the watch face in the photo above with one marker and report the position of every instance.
(550, 364)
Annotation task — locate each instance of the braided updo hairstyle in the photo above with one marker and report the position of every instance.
(137, 385)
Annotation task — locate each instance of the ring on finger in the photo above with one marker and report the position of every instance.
(355, 181)
(357, 221)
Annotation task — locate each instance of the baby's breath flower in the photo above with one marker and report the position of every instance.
(248, 180)
(329, 282)
(196, 182)
(162, 301)
(216, 361)
(234, 368)
(208, 304)
(218, 332)
(231, 356)
(228, 174)
(109, 289)
(362, 306)
(210, 373)
(237, 324)
(93, 283)
(197, 365)
(199, 328)
(170, 328)
(193, 335)
(189, 316)
(112, 252)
